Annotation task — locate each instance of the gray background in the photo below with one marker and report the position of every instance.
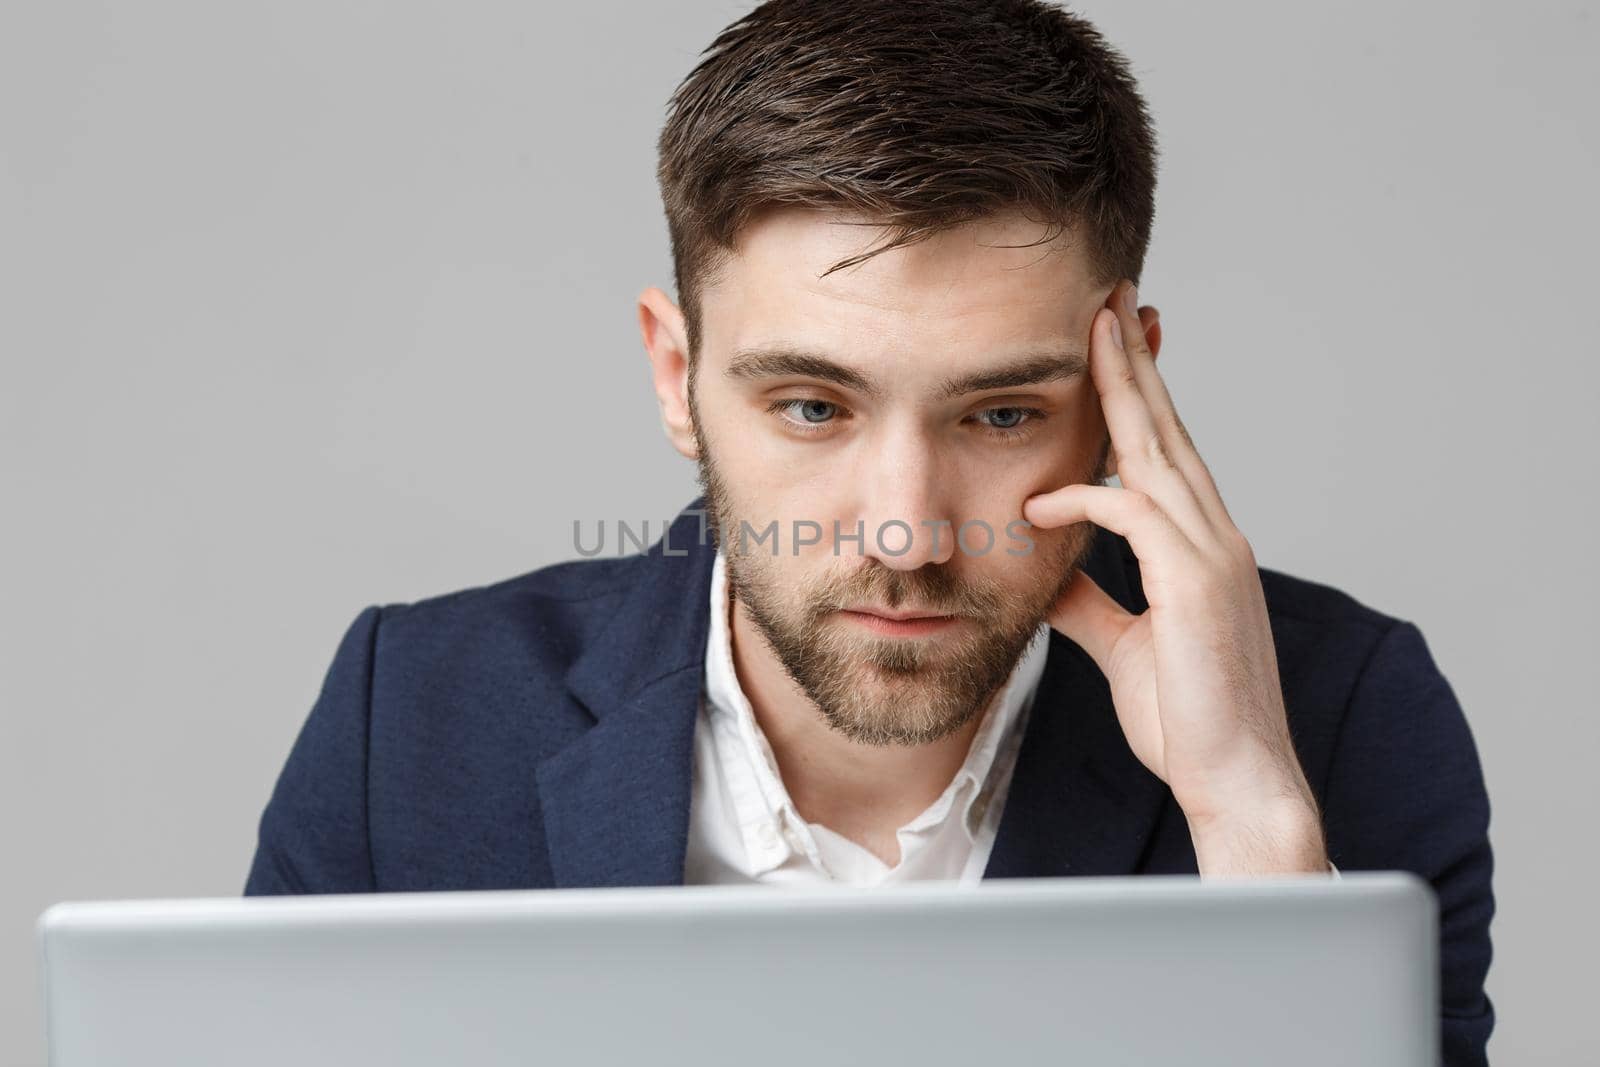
(315, 305)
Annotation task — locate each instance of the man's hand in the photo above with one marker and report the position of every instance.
(1195, 678)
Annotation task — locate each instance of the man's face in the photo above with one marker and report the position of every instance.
(916, 399)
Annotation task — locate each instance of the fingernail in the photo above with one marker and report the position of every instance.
(1116, 332)
(1131, 299)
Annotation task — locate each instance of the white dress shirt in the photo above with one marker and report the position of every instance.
(744, 828)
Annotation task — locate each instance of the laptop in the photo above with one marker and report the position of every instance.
(1155, 969)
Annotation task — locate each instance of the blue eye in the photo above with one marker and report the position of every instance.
(816, 410)
(1006, 418)
(806, 415)
(1009, 424)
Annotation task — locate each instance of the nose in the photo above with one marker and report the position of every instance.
(905, 519)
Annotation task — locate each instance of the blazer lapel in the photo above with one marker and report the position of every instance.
(1080, 802)
(616, 801)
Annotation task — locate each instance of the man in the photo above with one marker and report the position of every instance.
(908, 632)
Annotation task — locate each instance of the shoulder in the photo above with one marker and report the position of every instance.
(1366, 699)
(1311, 618)
(489, 650)
(1334, 649)
(575, 581)
(1337, 655)
(553, 605)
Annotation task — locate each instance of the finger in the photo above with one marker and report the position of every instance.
(1150, 318)
(1090, 618)
(1143, 459)
(1163, 412)
(1155, 539)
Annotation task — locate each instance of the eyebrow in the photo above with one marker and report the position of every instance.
(754, 364)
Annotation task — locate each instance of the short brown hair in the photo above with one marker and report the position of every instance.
(919, 114)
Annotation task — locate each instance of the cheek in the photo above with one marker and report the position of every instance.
(1073, 453)
(744, 455)
(1035, 575)
(993, 488)
(1022, 552)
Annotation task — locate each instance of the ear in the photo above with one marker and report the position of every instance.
(1150, 319)
(661, 325)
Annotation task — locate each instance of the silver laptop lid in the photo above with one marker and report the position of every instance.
(1140, 970)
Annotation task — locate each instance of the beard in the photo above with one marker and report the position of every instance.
(879, 690)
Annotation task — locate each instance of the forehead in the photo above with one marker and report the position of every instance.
(962, 290)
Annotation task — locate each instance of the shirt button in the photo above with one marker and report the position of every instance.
(768, 835)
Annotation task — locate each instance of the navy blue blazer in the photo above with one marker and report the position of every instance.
(538, 733)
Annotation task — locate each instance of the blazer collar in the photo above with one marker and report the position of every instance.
(616, 801)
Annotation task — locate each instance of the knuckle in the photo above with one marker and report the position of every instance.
(1246, 554)
(1235, 560)
(1155, 451)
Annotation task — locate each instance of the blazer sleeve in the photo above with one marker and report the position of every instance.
(1406, 792)
(312, 837)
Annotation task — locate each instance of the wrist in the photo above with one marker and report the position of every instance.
(1281, 837)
